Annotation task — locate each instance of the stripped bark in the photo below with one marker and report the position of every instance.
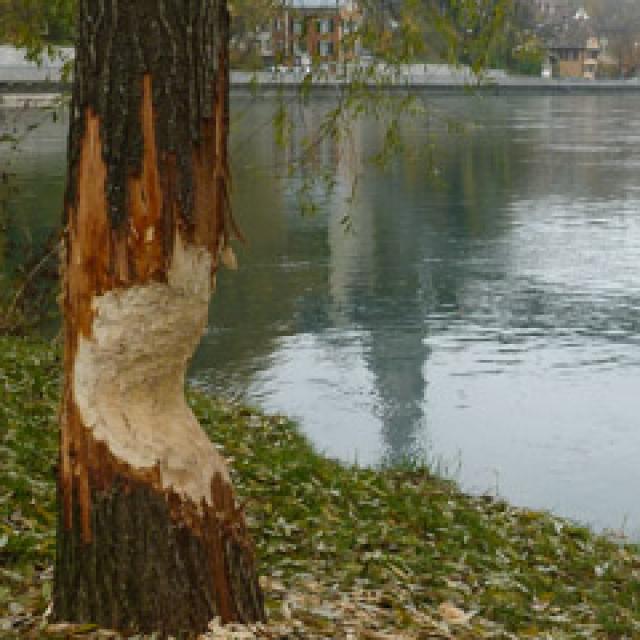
(150, 537)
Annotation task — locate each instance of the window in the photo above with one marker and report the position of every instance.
(297, 27)
(349, 26)
(324, 26)
(325, 48)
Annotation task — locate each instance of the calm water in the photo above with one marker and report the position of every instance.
(488, 320)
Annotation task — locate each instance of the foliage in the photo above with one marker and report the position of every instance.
(528, 58)
(390, 553)
(28, 275)
(28, 265)
(515, 46)
(36, 24)
(248, 17)
(619, 22)
(28, 293)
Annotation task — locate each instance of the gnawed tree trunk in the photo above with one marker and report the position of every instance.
(150, 537)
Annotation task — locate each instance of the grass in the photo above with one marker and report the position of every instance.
(392, 553)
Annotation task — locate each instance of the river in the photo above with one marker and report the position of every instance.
(483, 312)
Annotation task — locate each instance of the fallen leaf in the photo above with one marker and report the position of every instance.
(452, 615)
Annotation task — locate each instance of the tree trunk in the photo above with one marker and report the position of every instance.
(150, 537)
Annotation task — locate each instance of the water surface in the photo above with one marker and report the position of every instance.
(486, 318)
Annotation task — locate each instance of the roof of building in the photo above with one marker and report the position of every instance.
(575, 34)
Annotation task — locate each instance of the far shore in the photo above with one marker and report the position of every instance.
(25, 83)
(19, 93)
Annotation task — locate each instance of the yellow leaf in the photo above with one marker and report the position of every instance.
(452, 615)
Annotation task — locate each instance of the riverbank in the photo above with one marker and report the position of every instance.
(344, 552)
(20, 93)
(22, 80)
(423, 79)
(17, 91)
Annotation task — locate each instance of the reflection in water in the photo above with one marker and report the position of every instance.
(368, 291)
(489, 317)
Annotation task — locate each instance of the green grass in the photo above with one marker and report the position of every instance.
(28, 448)
(413, 537)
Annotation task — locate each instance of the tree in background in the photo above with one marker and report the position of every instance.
(453, 31)
(249, 18)
(619, 22)
(516, 46)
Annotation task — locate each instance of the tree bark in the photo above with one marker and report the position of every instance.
(150, 536)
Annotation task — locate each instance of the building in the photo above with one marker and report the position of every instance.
(573, 49)
(575, 55)
(591, 58)
(321, 31)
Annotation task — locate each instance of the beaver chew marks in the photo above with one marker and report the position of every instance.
(129, 376)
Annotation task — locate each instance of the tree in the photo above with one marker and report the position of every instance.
(150, 536)
(619, 22)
